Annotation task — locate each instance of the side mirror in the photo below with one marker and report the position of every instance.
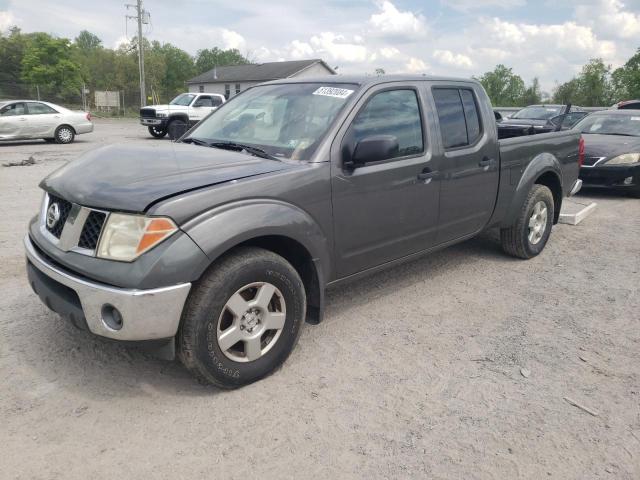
(374, 149)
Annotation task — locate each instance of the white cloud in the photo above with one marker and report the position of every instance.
(458, 60)
(6, 20)
(466, 5)
(415, 65)
(299, 49)
(389, 52)
(231, 39)
(610, 19)
(337, 48)
(392, 21)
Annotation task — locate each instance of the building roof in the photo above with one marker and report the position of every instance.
(256, 72)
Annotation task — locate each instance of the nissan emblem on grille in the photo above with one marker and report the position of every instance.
(53, 215)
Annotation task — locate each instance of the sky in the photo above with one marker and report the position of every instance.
(547, 39)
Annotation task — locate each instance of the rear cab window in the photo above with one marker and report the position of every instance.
(458, 116)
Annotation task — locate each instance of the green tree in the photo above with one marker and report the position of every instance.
(208, 58)
(567, 92)
(533, 94)
(626, 79)
(505, 89)
(87, 41)
(591, 88)
(179, 68)
(12, 48)
(49, 62)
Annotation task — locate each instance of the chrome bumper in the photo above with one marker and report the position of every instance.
(150, 121)
(576, 188)
(146, 314)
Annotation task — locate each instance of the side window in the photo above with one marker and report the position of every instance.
(204, 101)
(237, 88)
(392, 112)
(227, 91)
(216, 101)
(201, 88)
(13, 110)
(471, 115)
(36, 108)
(451, 116)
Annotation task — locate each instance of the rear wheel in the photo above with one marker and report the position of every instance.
(64, 134)
(157, 132)
(242, 319)
(528, 236)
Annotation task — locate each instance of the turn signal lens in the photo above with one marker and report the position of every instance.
(126, 237)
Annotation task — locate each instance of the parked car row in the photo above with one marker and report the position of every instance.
(611, 139)
(28, 119)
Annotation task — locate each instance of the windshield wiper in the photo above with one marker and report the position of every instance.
(258, 152)
(196, 141)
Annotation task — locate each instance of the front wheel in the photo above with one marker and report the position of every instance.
(528, 236)
(64, 134)
(157, 132)
(176, 128)
(242, 319)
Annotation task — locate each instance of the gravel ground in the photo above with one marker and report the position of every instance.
(416, 372)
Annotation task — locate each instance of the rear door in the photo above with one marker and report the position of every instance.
(384, 210)
(13, 120)
(468, 161)
(42, 120)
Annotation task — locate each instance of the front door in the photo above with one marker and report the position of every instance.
(468, 163)
(386, 209)
(13, 121)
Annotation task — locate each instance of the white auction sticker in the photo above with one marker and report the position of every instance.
(333, 92)
(635, 119)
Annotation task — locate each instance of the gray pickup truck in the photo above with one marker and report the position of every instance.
(219, 247)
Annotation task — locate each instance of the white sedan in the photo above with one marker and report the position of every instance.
(25, 119)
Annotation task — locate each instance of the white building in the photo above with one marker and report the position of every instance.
(233, 79)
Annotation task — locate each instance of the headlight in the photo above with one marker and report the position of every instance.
(625, 159)
(126, 237)
(161, 115)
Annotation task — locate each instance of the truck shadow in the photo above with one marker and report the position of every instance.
(103, 369)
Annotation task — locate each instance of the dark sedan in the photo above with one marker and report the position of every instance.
(612, 150)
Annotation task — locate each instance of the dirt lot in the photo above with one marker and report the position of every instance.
(415, 373)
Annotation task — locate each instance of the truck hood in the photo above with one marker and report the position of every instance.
(164, 108)
(131, 178)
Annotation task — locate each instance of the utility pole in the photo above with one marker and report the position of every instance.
(141, 16)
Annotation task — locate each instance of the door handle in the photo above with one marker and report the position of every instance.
(426, 176)
(485, 162)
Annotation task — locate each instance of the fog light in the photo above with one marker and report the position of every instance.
(111, 317)
(628, 180)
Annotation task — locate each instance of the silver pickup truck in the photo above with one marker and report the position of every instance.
(219, 247)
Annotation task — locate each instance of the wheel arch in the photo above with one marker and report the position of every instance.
(544, 169)
(275, 226)
(65, 125)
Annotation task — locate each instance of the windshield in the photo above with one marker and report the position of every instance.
(183, 99)
(538, 113)
(286, 121)
(610, 125)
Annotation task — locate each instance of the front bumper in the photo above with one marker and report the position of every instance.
(622, 177)
(146, 314)
(153, 122)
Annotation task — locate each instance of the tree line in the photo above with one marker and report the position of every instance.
(597, 85)
(67, 66)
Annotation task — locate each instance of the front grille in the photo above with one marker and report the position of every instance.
(91, 230)
(148, 112)
(65, 208)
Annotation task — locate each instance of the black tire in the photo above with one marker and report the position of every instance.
(176, 128)
(206, 308)
(515, 239)
(157, 132)
(64, 134)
